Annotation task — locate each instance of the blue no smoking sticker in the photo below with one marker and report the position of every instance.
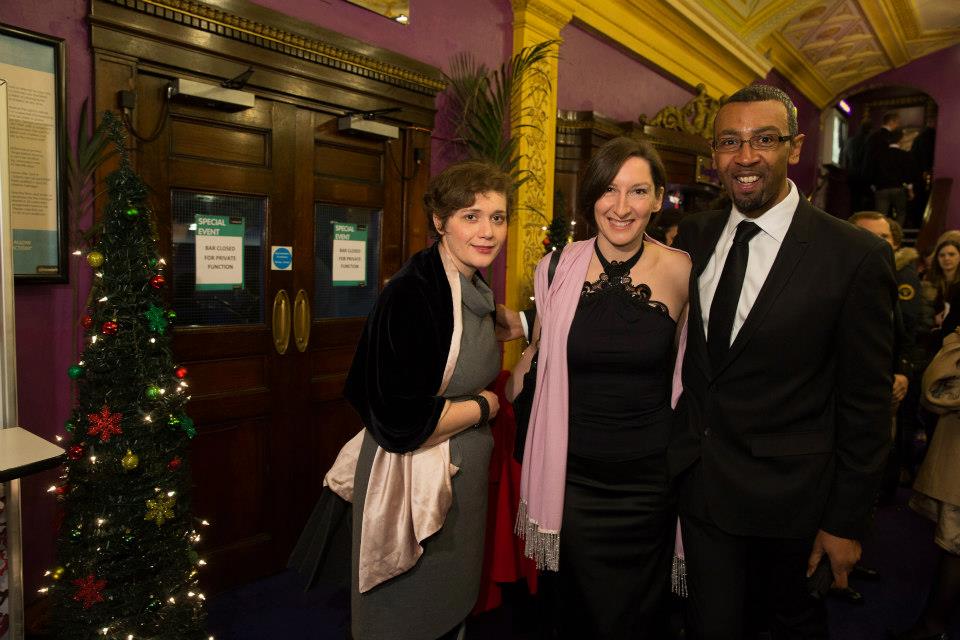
(281, 258)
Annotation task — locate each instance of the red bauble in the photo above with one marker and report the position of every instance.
(546, 242)
(109, 328)
(86, 322)
(180, 372)
(157, 281)
(75, 452)
(174, 464)
(62, 489)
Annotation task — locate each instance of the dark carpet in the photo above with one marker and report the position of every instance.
(900, 547)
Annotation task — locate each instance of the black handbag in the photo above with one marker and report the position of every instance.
(523, 403)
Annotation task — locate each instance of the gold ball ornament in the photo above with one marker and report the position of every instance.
(130, 461)
(57, 573)
(94, 259)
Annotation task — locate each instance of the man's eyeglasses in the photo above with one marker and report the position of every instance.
(759, 142)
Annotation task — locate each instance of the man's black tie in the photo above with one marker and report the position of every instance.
(723, 309)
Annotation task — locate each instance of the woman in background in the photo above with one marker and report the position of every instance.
(418, 382)
(595, 498)
(942, 273)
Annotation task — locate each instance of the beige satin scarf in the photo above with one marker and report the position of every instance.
(408, 495)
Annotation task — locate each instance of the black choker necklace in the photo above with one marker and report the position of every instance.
(618, 272)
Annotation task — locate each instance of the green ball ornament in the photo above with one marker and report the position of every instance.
(171, 315)
(69, 426)
(132, 212)
(76, 533)
(153, 392)
(75, 371)
(174, 421)
(153, 262)
(95, 259)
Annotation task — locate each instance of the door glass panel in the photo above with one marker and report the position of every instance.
(342, 289)
(226, 285)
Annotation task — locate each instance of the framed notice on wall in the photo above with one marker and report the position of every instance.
(32, 68)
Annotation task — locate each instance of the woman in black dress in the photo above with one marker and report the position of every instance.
(595, 500)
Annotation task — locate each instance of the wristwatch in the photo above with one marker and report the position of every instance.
(484, 410)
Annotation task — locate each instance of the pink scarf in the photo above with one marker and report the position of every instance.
(545, 457)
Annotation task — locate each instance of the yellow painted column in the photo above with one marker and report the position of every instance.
(534, 21)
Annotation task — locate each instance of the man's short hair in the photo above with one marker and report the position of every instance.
(764, 92)
(896, 232)
(865, 215)
(890, 116)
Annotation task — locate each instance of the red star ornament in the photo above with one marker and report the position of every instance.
(105, 424)
(88, 590)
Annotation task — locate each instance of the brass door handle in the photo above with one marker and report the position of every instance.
(281, 321)
(301, 320)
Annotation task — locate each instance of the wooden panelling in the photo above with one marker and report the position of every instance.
(348, 163)
(331, 333)
(235, 500)
(326, 388)
(335, 190)
(212, 142)
(245, 405)
(245, 373)
(334, 360)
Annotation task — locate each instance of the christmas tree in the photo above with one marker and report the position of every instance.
(127, 569)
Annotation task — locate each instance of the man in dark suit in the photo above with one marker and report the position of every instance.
(784, 424)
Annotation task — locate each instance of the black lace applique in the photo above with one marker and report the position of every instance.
(640, 293)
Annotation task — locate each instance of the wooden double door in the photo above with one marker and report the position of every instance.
(268, 355)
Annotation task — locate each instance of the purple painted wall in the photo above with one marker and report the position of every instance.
(597, 75)
(43, 312)
(935, 75)
(804, 173)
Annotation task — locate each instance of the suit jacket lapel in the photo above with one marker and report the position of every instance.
(794, 245)
(706, 244)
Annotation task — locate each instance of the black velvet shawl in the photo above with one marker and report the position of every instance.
(399, 364)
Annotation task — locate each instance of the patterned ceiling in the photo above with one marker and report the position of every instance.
(826, 46)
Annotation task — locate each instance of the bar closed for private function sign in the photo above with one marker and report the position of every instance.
(349, 254)
(219, 251)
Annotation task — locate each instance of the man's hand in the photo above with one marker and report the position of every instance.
(508, 326)
(899, 387)
(844, 553)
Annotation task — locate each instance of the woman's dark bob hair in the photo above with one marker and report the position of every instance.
(457, 186)
(603, 168)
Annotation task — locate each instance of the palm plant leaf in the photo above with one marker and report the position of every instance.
(482, 101)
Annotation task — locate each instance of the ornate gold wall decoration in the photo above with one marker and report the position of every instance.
(695, 117)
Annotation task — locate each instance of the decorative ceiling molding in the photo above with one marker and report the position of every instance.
(681, 38)
(215, 20)
(826, 46)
